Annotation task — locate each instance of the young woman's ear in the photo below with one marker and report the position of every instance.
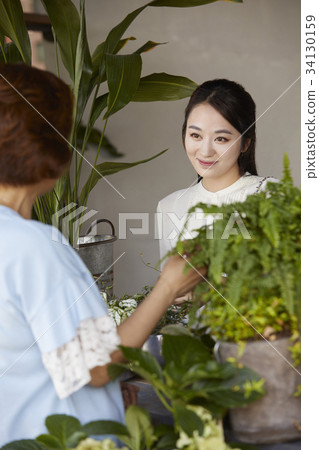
(245, 146)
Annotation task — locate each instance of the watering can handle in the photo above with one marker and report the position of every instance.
(95, 222)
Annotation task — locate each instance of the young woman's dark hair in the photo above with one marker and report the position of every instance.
(35, 117)
(235, 104)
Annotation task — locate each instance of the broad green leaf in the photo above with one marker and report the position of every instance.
(163, 87)
(12, 54)
(24, 444)
(186, 419)
(12, 25)
(114, 370)
(110, 45)
(65, 21)
(98, 65)
(143, 360)
(176, 330)
(99, 104)
(212, 370)
(230, 393)
(186, 3)
(167, 437)
(100, 427)
(94, 139)
(105, 169)
(75, 438)
(83, 68)
(122, 44)
(149, 46)
(62, 426)
(140, 427)
(117, 32)
(123, 76)
(49, 441)
(2, 45)
(184, 350)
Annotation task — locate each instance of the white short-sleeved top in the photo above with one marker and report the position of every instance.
(51, 315)
(172, 210)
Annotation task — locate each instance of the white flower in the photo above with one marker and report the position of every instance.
(212, 437)
(92, 444)
(115, 315)
(128, 303)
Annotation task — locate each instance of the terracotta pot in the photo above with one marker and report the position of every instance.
(276, 416)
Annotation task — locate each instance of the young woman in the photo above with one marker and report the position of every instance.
(56, 339)
(219, 138)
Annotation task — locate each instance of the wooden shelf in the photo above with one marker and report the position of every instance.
(39, 22)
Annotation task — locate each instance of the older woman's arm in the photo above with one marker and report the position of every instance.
(136, 329)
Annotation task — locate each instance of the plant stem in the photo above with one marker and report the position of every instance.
(162, 398)
(96, 157)
(87, 134)
(4, 55)
(56, 53)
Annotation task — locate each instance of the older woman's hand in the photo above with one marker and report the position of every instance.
(180, 281)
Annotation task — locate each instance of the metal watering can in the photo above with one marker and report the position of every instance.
(96, 251)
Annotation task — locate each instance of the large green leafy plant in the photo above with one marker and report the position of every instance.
(254, 266)
(192, 386)
(118, 76)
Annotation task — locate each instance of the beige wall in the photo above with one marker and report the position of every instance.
(255, 43)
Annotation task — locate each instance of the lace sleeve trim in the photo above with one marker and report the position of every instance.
(69, 365)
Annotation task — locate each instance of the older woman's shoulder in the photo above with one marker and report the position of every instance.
(35, 243)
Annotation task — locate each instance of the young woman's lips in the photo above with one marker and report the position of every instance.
(207, 163)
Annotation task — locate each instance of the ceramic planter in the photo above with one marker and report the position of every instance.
(275, 417)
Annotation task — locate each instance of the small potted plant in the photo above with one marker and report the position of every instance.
(252, 300)
(193, 387)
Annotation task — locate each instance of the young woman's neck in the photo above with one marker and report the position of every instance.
(219, 183)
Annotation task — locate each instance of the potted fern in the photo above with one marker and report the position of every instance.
(252, 300)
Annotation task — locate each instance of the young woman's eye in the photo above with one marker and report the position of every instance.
(195, 135)
(221, 139)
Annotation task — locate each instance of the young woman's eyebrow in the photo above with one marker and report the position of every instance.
(216, 131)
(223, 131)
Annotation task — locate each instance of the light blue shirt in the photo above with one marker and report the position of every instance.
(44, 295)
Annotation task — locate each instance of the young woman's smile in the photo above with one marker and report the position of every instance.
(213, 146)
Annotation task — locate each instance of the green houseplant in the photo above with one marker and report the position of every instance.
(103, 70)
(192, 386)
(252, 294)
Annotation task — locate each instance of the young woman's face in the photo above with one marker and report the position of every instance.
(213, 146)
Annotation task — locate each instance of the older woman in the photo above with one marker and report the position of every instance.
(56, 339)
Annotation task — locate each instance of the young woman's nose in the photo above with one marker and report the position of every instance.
(207, 147)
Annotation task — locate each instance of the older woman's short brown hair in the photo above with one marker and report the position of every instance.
(35, 123)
